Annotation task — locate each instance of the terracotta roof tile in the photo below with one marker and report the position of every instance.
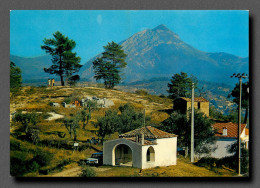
(149, 132)
(247, 131)
(146, 142)
(232, 129)
(196, 99)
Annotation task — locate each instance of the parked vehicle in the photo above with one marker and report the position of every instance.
(96, 159)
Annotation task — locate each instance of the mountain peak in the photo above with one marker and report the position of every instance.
(161, 27)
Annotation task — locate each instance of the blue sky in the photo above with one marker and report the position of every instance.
(210, 31)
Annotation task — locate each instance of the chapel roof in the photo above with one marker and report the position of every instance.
(149, 132)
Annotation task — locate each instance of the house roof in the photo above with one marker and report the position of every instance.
(196, 99)
(247, 131)
(146, 142)
(232, 129)
(149, 132)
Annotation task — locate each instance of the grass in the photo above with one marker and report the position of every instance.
(37, 99)
(183, 169)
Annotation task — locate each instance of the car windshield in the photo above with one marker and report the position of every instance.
(96, 155)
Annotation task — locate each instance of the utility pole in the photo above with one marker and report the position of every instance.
(192, 124)
(144, 117)
(239, 76)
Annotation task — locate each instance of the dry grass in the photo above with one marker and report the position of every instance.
(183, 169)
(37, 99)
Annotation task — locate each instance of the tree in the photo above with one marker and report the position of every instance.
(109, 66)
(71, 124)
(245, 97)
(107, 124)
(15, 77)
(72, 80)
(65, 62)
(204, 135)
(26, 120)
(86, 112)
(180, 85)
(128, 119)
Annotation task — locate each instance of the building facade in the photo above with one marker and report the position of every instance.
(183, 104)
(146, 147)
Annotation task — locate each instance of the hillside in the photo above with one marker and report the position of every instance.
(32, 67)
(160, 52)
(54, 154)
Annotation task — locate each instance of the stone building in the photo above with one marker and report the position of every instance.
(145, 147)
(183, 104)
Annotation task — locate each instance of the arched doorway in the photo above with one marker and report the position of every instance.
(123, 155)
(150, 155)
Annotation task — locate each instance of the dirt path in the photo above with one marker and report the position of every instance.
(72, 171)
(54, 116)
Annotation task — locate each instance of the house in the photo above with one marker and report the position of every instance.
(145, 147)
(183, 104)
(226, 136)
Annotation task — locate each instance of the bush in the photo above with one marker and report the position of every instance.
(88, 172)
(17, 166)
(33, 167)
(141, 92)
(43, 158)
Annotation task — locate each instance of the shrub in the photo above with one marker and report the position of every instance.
(43, 158)
(17, 166)
(88, 172)
(33, 167)
(141, 92)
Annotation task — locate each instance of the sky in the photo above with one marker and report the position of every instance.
(209, 31)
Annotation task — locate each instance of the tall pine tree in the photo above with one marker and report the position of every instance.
(15, 77)
(109, 66)
(65, 62)
(180, 85)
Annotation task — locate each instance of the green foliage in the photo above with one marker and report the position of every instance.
(43, 158)
(26, 119)
(244, 97)
(141, 92)
(72, 80)
(86, 112)
(128, 119)
(72, 124)
(180, 85)
(65, 62)
(215, 114)
(107, 124)
(180, 124)
(109, 66)
(21, 161)
(244, 157)
(88, 172)
(15, 78)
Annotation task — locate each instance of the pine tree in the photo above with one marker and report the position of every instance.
(180, 85)
(109, 66)
(15, 77)
(65, 62)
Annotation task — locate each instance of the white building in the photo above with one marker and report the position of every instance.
(145, 147)
(226, 136)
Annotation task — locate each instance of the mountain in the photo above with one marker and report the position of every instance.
(32, 67)
(160, 52)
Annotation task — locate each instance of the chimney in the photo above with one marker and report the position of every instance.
(142, 139)
(224, 131)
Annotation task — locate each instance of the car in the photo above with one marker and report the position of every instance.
(96, 159)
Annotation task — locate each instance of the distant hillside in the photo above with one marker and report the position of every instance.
(159, 52)
(32, 67)
(216, 93)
